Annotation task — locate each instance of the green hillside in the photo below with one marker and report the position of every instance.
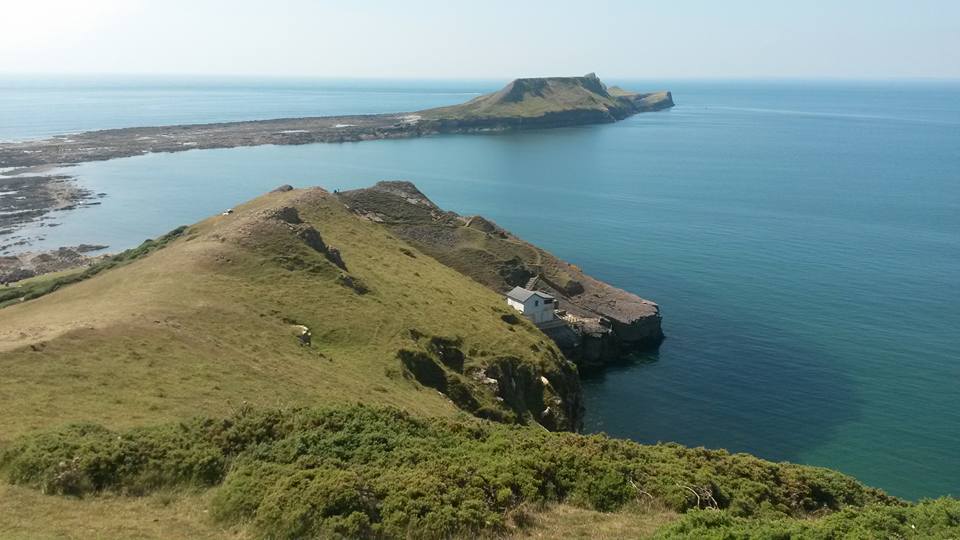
(295, 370)
(545, 97)
(210, 321)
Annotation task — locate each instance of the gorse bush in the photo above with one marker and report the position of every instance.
(83, 459)
(368, 472)
(931, 519)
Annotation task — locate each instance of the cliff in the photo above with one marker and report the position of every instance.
(605, 321)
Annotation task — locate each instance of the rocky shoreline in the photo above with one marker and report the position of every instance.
(29, 192)
(26, 265)
(127, 142)
(30, 196)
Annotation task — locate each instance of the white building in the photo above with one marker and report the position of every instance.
(535, 305)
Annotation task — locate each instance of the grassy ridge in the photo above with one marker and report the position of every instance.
(382, 473)
(210, 321)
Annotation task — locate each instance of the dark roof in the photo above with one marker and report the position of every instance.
(522, 295)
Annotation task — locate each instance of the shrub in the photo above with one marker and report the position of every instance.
(83, 459)
(371, 472)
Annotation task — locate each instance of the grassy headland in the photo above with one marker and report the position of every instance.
(294, 370)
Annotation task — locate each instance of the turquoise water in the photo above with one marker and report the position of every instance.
(803, 240)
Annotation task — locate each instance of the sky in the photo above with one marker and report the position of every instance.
(730, 39)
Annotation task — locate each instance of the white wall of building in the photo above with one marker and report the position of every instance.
(534, 308)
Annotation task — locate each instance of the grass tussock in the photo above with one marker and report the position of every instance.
(380, 473)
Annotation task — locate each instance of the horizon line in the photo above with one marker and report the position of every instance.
(482, 78)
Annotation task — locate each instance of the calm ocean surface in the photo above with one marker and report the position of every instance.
(803, 239)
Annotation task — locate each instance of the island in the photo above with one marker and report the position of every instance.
(32, 185)
(522, 104)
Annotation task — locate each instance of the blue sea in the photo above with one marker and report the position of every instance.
(802, 238)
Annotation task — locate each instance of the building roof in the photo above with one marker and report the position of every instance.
(522, 295)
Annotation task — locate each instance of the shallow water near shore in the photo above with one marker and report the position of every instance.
(802, 239)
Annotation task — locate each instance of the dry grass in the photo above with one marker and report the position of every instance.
(571, 522)
(27, 514)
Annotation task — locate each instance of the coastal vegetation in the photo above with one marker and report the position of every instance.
(368, 472)
(296, 368)
(212, 319)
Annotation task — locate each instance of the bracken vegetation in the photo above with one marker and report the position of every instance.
(380, 473)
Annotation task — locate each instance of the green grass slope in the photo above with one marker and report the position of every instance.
(210, 321)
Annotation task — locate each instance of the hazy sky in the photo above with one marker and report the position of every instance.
(485, 38)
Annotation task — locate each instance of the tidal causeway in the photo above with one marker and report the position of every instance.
(37, 185)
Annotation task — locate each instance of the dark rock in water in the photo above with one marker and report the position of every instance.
(30, 199)
(29, 264)
(86, 248)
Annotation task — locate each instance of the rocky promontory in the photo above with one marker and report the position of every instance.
(602, 322)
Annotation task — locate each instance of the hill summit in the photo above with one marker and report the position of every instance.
(546, 101)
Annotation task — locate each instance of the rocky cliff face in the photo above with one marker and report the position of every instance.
(604, 322)
(505, 388)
